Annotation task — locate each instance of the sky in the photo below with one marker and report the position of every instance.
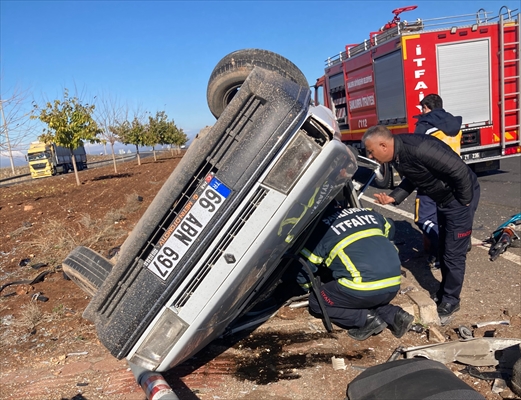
(158, 55)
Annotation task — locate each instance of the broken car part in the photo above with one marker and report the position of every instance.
(479, 352)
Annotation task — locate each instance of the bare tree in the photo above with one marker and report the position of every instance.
(110, 113)
(16, 125)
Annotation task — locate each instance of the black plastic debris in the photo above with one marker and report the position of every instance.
(24, 262)
(112, 252)
(418, 328)
(39, 297)
(39, 265)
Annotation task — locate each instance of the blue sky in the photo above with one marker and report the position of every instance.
(158, 55)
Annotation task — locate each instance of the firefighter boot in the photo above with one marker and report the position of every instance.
(373, 325)
(402, 323)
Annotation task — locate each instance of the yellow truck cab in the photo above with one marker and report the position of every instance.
(50, 159)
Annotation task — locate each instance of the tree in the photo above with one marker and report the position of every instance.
(165, 132)
(15, 118)
(132, 133)
(180, 139)
(69, 124)
(159, 130)
(108, 113)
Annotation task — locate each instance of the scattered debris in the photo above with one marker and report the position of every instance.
(81, 353)
(338, 363)
(499, 385)
(397, 353)
(465, 333)
(479, 352)
(435, 335)
(407, 289)
(39, 265)
(299, 304)
(483, 375)
(490, 333)
(417, 328)
(113, 252)
(36, 279)
(481, 324)
(38, 297)
(24, 262)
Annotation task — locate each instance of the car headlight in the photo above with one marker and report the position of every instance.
(159, 341)
(288, 169)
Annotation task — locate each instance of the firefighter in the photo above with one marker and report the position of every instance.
(434, 121)
(432, 166)
(354, 245)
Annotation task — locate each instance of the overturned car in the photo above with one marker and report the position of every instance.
(216, 236)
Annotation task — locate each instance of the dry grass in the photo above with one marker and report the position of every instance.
(8, 173)
(55, 242)
(30, 316)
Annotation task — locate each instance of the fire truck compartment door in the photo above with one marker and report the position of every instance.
(464, 80)
(390, 95)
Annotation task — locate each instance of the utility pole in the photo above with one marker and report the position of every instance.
(7, 136)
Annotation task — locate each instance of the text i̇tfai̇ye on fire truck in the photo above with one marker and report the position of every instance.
(471, 61)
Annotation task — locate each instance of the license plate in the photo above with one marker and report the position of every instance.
(186, 228)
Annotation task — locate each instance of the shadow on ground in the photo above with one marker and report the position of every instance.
(409, 241)
(111, 176)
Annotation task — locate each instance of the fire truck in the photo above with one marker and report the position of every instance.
(471, 61)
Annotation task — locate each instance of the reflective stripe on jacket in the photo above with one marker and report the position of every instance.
(353, 244)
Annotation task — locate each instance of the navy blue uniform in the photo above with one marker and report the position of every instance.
(431, 166)
(446, 127)
(354, 245)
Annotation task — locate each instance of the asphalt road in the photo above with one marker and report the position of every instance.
(500, 199)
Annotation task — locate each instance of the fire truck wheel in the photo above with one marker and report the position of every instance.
(385, 180)
(229, 74)
(87, 269)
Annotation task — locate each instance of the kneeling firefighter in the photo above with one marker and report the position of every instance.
(354, 245)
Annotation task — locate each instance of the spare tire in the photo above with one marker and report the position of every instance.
(229, 74)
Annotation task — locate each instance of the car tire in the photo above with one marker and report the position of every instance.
(87, 269)
(385, 181)
(229, 74)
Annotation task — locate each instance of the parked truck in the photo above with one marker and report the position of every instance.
(50, 159)
(471, 61)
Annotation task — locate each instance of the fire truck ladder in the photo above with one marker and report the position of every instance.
(512, 63)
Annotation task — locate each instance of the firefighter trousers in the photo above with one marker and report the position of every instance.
(455, 224)
(348, 310)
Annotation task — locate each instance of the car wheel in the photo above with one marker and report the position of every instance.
(384, 179)
(87, 269)
(229, 74)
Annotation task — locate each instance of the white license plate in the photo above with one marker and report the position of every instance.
(185, 229)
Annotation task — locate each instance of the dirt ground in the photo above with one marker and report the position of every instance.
(50, 352)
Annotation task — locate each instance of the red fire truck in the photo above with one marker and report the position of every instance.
(471, 61)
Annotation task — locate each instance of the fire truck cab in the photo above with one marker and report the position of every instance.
(471, 61)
